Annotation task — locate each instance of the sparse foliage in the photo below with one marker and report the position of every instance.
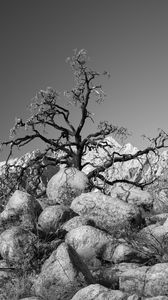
(68, 146)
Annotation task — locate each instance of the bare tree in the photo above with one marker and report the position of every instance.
(68, 145)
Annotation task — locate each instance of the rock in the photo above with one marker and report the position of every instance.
(133, 196)
(156, 282)
(133, 280)
(74, 223)
(133, 297)
(154, 233)
(157, 298)
(160, 204)
(17, 245)
(30, 298)
(67, 184)
(98, 292)
(52, 217)
(146, 281)
(87, 241)
(165, 224)
(111, 274)
(4, 272)
(57, 276)
(21, 207)
(121, 252)
(106, 212)
(158, 218)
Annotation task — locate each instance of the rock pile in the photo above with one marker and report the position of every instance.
(83, 244)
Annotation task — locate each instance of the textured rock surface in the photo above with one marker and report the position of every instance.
(87, 240)
(147, 281)
(160, 204)
(121, 252)
(154, 233)
(106, 212)
(133, 196)
(4, 274)
(57, 275)
(66, 185)
(30, 298)
(52, 217)
(17, 244)
(98, 292)
(23, 207)
(74, 223)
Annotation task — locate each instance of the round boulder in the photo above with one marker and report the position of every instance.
(75, 222)
(106, 212)
(133, 196)
(57, 277)
(21, 207)
(97, 291)
(67, 184)
(87, 241)
(17, 245)
(53, 216)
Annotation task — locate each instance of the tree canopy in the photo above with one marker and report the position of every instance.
(68, 145)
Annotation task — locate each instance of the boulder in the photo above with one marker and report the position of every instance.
(154, 233)
(30, 298)
(121, 253)
(87, 241)
(57, 276)
(75, 222)
(133, 196)
(67, 184)
(154, 298)
(134, 297)
(22, 208)
(158, 218)
(111, 274)
(17, 245)
(160, 204)
(106, 212)
(98, 292)
(156, 282)
(133, 280)
(5, 273)
(52, 217)
(146, 281)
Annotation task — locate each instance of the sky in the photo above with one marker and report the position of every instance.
(128, 38)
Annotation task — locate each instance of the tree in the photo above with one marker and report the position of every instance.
(68, 146)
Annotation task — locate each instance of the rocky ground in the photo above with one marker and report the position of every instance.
(81, 244)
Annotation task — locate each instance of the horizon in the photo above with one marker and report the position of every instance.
(126, 38)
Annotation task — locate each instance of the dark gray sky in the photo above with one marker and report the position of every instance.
(128, 38)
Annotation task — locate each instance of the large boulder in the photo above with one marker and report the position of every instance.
(133, 196)
(5, 273)
(87, 241)
(147, 281)
(53, 216)
(30, 298)
(98, 292)
(111, 273)
(121, 253)
(58, 276)
(22, 208)
(106, 212)
(75, 222)
(17, 245)
(67, 184)
(160, 202)
(154, 233)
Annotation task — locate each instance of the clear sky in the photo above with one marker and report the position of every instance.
(128, 38)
